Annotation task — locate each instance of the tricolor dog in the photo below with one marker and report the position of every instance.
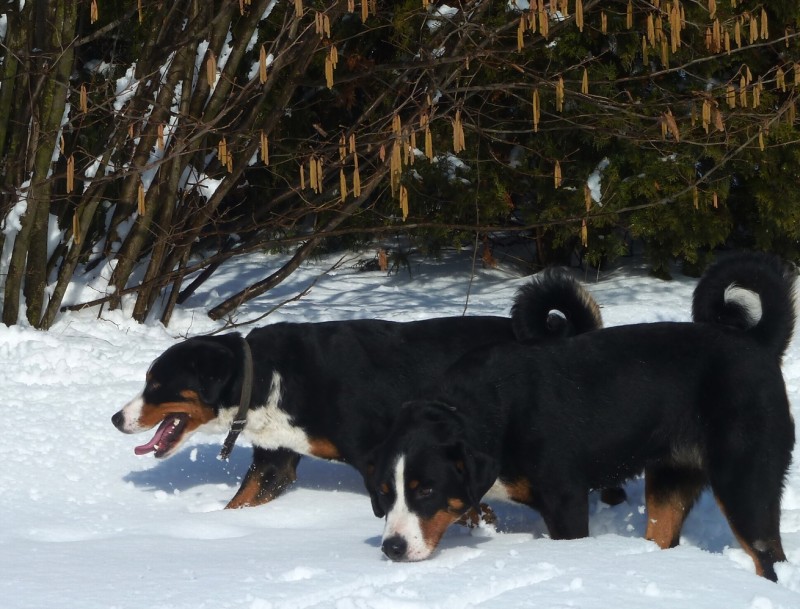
(693, 405)
(328, 390)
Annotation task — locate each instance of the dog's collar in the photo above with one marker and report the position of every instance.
(240, 420)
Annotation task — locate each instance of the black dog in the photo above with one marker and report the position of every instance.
(691, 404)
(328, 390)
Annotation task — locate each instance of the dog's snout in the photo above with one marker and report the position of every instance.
(395, 547)
(118, 420)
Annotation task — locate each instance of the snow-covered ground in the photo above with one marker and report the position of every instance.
(86, 524)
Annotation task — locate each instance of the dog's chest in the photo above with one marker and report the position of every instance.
(270, 427)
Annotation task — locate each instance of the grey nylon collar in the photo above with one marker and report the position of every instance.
(244, 403)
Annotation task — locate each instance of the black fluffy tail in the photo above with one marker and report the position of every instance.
(554, 304)
(752, 292)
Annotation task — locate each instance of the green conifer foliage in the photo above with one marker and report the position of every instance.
(166, 138)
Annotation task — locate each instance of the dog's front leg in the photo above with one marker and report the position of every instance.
(566, 513)
(269, 475)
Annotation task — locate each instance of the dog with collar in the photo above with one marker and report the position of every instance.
(328, 390)
(693, 405)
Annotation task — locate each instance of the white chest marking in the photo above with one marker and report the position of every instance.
(270, 427)
(498, 491)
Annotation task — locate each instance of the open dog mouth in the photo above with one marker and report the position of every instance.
(167, 435)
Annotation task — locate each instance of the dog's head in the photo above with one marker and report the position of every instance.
(185, 388)
(424, 478)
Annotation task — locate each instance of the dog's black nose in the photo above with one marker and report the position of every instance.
(118, 420)
(395, 547)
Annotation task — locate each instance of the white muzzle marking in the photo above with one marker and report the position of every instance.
(402, 522)
(131, 413)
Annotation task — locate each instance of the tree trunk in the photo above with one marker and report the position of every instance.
(28, 267)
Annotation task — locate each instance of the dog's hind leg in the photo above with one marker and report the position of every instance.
(754, 515)
(269, 475)
(747, 470)
(669, 495)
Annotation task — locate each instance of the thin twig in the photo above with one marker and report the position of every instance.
(230, 324)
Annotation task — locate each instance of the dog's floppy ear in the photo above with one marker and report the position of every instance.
(480, 471)
(216, 361)
(368, 473)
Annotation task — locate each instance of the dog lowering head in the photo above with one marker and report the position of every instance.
(425, 479)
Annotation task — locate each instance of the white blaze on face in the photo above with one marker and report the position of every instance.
(131, 413)
(402, 522)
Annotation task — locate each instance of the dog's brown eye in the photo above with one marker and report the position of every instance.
(383, 489)
(424, 491)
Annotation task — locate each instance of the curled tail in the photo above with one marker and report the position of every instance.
(752, 292)
(554, 304)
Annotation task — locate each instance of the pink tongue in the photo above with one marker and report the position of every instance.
(151, 445)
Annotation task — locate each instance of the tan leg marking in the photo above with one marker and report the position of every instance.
(469, 518)
(519, 490)
(250, 493)
(324, 449)
(665, 518)
(776, 548)
(745, 546)
(247, 495)
(473, 517)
